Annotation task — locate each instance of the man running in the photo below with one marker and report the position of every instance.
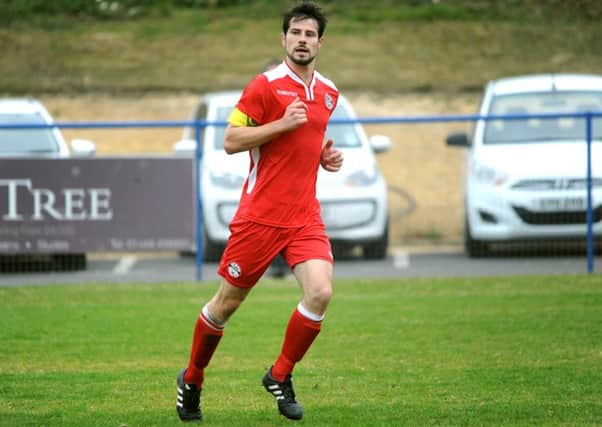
(280, 120)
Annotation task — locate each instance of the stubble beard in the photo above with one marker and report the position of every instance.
(300, 61)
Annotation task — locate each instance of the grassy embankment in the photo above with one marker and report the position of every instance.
(381, 48)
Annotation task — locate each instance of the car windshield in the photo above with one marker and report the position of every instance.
(221, 116)
(26, 140)
(344, 135)
(543, 129)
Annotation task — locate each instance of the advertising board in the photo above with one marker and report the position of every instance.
(96, 205)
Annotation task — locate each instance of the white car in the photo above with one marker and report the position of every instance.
(353, 200)
(38, 142)
(526, 178)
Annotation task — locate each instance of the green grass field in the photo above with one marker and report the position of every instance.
(470, 352)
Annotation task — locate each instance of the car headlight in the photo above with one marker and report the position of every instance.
(488, 175)
(225, 212)
(226, 180)
(362, 178)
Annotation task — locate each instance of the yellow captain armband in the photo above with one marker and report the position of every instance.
(238, 118)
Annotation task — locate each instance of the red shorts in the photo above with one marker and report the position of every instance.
(252, 247)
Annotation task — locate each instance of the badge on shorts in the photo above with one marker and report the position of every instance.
(234, 270)
(328, 101)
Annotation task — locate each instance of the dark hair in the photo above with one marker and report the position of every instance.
(305, 10)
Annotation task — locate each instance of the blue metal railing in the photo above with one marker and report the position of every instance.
(199, 125)
(590, 215)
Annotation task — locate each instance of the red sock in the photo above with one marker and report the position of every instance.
(204, 342)
(300, 334)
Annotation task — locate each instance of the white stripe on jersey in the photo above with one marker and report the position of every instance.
(324, 80)
(276, 73)
(255, 154)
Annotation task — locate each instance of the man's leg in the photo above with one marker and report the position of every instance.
(209, 329)
(207, 334)
(315, 279)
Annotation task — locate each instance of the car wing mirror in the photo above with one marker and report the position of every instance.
(457, 139)
(83, 148)
(380, 143)
(185, 147)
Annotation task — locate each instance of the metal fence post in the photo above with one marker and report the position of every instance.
(589, 214)
(198, 155)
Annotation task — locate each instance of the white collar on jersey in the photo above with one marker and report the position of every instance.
(284, 70)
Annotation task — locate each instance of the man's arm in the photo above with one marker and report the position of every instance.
(243, 138)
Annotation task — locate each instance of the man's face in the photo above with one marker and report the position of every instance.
(301, 42)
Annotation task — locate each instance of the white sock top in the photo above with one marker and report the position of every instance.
(311, 316)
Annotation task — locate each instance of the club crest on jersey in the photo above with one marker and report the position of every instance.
(234, 270)
(328, 101)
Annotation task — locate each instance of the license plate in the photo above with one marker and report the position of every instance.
(560, 204)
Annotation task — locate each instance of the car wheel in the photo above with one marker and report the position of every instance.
(342, 250)
(212, 251)
(24, 263)
(474, 248)
(378, 248)
(70, 262)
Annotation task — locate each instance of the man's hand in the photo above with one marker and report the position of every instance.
(295, 115)
(332, 159)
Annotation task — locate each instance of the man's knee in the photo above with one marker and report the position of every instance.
(316, 298)
(323, 294)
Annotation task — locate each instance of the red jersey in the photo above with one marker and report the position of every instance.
(280, 189)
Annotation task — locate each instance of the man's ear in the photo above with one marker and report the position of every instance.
(283, 40)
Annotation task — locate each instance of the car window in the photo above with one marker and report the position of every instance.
(512, 131)
(26, 140)
(343, 135)
(222, 114)
(199, 114)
